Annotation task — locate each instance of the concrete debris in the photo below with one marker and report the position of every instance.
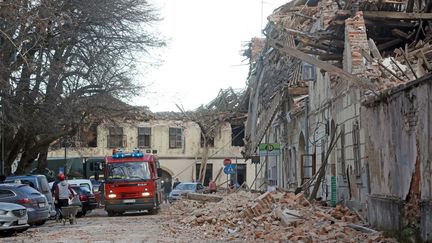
(203, 197)
(272, 216)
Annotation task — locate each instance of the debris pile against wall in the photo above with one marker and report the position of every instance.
(270, 217)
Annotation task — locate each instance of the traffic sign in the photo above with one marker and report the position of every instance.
(226, 162)
(230, 169)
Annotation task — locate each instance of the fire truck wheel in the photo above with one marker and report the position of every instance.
(153, 211)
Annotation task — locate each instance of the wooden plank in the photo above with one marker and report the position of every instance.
(391, 23)
(374, 49)
(294, 91)
(389, 44)
(399, 33)
(396, 15)
(328, 57)
(321, 64)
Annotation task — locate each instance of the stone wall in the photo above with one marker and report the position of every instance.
(399, 139)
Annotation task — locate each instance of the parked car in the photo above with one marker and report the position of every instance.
(184, 188)
(92, 184)
(35, 202)
(87, 199)
(13, 218)
(38, 182)
(97, 190)
(81, 182)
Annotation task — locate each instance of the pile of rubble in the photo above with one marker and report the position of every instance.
(270, 217)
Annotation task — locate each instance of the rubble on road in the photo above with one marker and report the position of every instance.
(203, 197)
(272, 216)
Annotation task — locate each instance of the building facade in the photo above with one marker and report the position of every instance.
(177, 143)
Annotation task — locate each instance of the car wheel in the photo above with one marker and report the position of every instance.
(81, 214)
(39, 223)
(111, 213)
(7, 233)
(22, 230)
(153, 211)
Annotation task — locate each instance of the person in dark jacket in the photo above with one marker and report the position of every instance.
(176, 182)
(167, 189)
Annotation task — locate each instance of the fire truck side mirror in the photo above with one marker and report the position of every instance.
(159, 172)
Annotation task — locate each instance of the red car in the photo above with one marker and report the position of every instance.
(87, 198)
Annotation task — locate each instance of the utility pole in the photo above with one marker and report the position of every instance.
(266, 164)
(2, 137)
(65, 154)
(308, 161)
(236, 172)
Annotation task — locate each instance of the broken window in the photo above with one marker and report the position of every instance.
(208, 173)
(175, 137)
(144, 136)
(116, 138)
(91, 136)
(210, 141)
(308, 72)
(237, 135)
(356, 148)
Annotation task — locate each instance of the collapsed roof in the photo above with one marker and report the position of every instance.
(398, 51)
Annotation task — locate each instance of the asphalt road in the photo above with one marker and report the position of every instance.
(98, 227)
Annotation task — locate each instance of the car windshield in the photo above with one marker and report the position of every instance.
(185, 186)
(128, 171)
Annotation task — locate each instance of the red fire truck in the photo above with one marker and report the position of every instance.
(132, 182)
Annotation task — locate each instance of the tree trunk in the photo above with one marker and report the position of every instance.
(25, 162)
(42, 163)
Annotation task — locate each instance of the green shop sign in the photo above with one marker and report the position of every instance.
(272, 149)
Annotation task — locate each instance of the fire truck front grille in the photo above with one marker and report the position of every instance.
(130, 194)
(126, 185)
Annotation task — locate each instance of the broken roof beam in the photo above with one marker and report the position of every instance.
(391, 23)
(321, 64)
(389, 15)
(396, 15)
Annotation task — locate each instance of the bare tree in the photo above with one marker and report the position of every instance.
(57, 58)
(227, 106)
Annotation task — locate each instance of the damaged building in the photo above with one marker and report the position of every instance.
(344, 88)
(184, 141)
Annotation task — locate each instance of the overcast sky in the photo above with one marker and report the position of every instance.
(205, 38)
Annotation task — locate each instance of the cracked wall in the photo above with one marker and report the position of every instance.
(398, 144)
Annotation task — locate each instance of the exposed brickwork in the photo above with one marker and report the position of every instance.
(355, 41)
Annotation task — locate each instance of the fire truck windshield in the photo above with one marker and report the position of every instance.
(126, 171)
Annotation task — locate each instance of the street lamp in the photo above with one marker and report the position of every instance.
(2, 135)
(65, 144)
